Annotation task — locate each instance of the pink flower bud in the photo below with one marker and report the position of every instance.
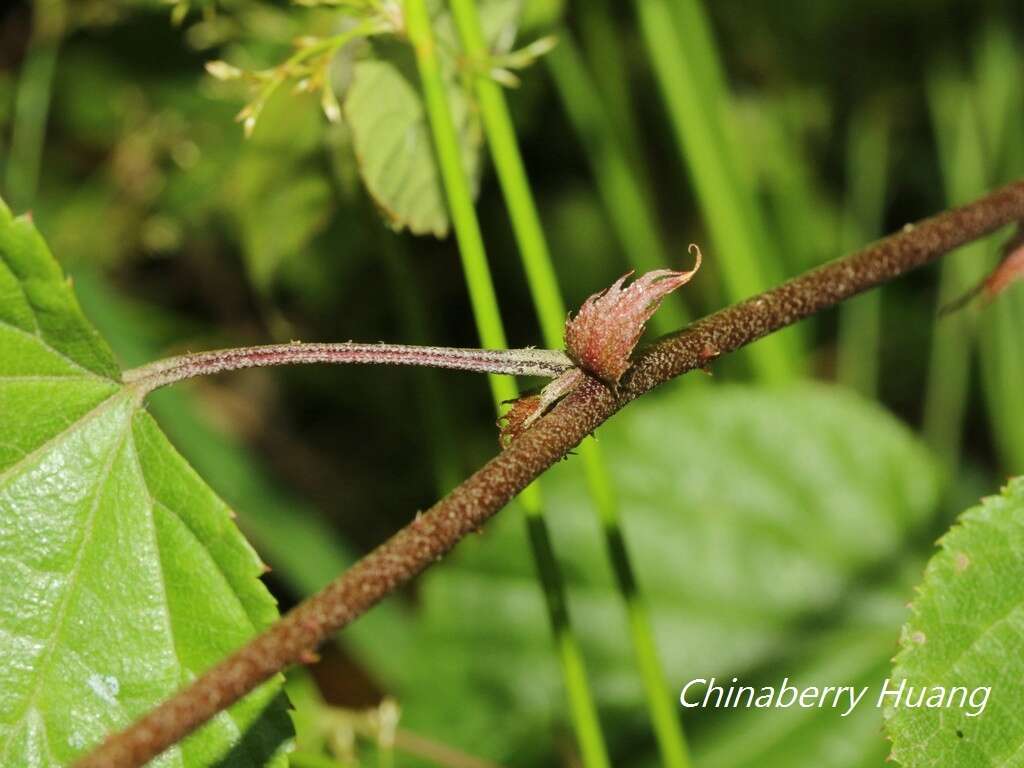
(604, 332)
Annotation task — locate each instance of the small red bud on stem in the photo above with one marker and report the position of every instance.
(602, 336)
(600, 340)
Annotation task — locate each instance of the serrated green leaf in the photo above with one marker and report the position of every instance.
(123, 575)
(753, 510)
(965, 631)
(384, 109)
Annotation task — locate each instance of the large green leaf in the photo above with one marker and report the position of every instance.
(748, 512)
(384, 108)
(303, 550)
(966, 630)
(122, 575)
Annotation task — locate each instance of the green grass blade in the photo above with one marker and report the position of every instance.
(551, 313)
(963, 171)
(514, 185)
(799, 216)
(31, 106)
(860, 320)
(492, 334)
(998, 90)
(624, 198)
(482, 296)
(661, 704)
(682, 53)
(1002, 369)
(1000, 98)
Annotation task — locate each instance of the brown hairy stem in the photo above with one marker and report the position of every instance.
(424, 540)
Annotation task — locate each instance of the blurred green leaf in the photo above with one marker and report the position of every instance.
(777, 145)
(384, 109)
(392, 143)
(540, 15)
(752, 509)
(962, 160)
(860, 320)
(278, 191)
(126, 576)
(965, 631)
(856, 652)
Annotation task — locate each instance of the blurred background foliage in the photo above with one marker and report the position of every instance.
(777, 526)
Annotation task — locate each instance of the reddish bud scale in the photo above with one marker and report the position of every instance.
(602, 336)
(517, 418)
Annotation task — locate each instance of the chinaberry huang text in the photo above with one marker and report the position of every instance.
(708, 693)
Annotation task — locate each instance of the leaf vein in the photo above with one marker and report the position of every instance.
(41, 340)
(44, 658)
(102, 407)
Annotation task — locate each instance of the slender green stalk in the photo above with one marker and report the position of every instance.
(860, 320)
(1000, 90)
(692, 22)
(682, 53)
(32, 103)
(661, 705)
(492, 334)
(551, 313)
(293, 537)
(963, 171)
(624, 198)
(483, 299)
(693, 89)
